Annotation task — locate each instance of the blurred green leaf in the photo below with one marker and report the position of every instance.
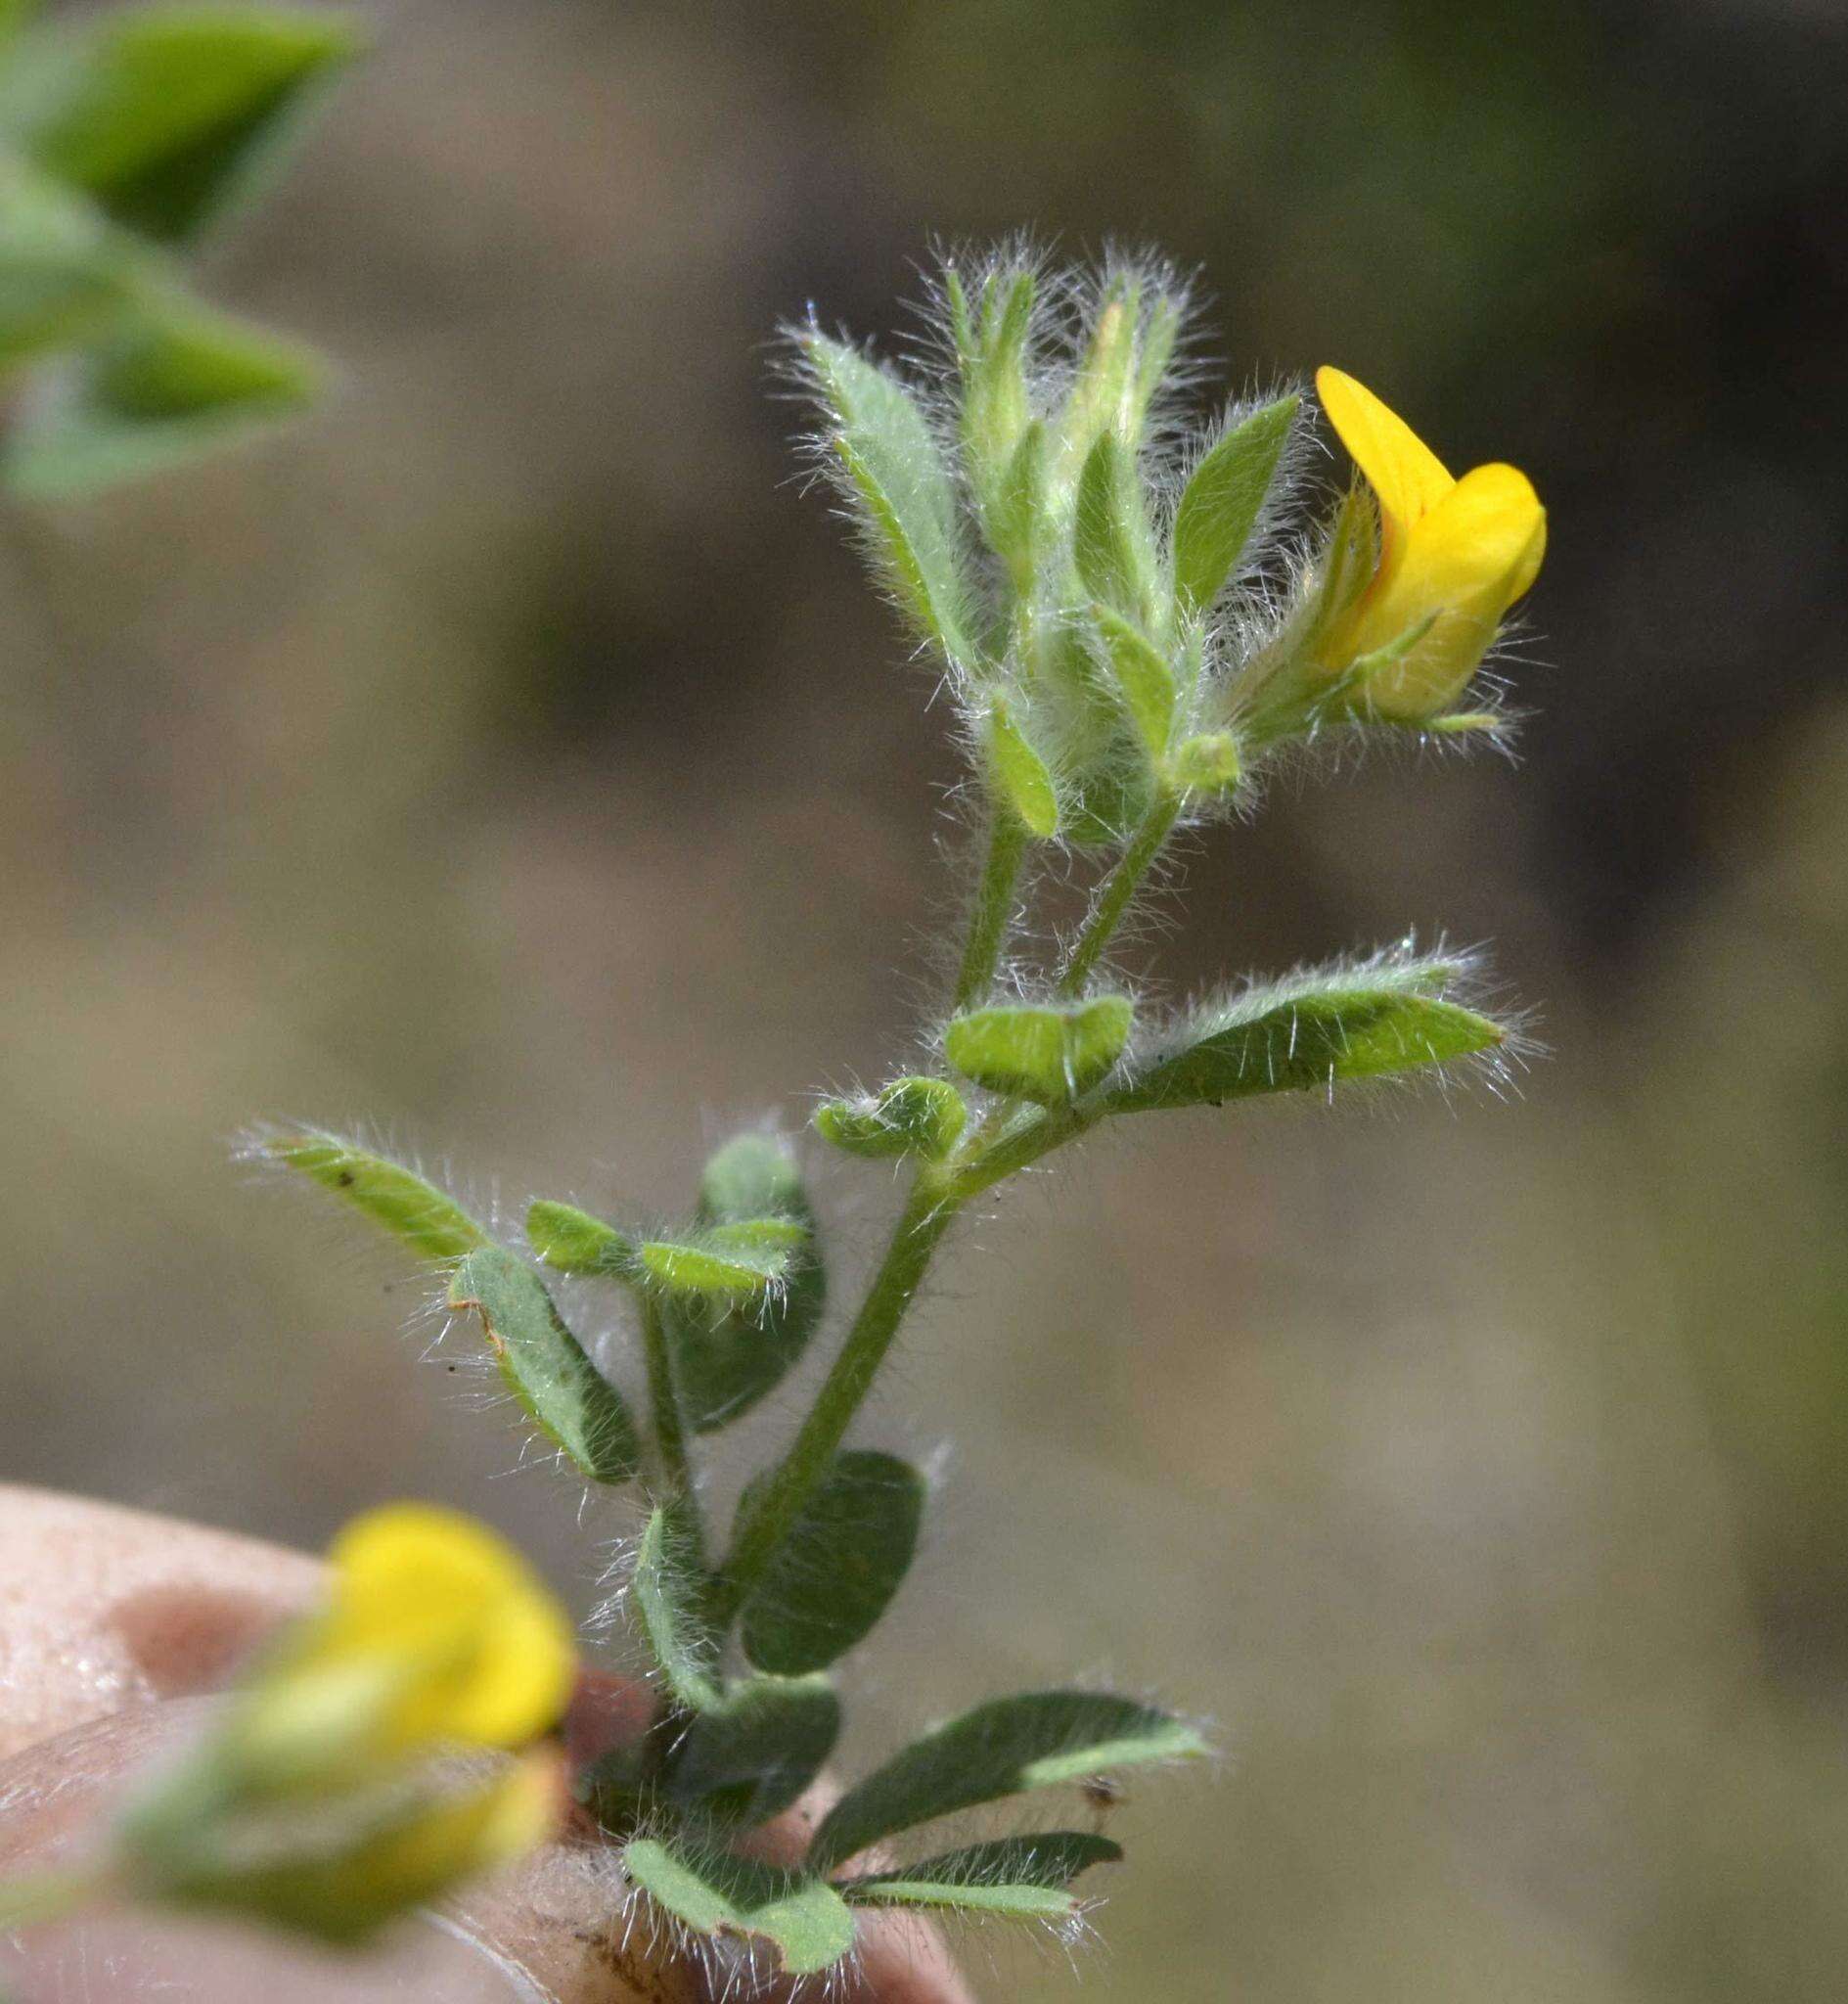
(716, 1894)
(1020, 776)
(1144, 677)
(893, 463)
(1112, 543)
(1224, 498)
(746, 1758)
(668, 1589)
(1305, 1034)
(1004, 1747)
(836, 1572)
(165, 114)
(175, 382)
(575, 1405)
(573, 1242)
(65, 270)
(1019, 1878)
(428, 1220)
(921, 1116)
(729, 1354)
(1049, 1052)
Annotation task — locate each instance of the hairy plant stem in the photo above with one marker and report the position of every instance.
(669, 1424)
(929, 1210)
(993, 906)
(1118, 888)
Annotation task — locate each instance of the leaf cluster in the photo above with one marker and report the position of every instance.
(124, 139)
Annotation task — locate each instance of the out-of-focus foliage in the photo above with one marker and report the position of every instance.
(123, 137)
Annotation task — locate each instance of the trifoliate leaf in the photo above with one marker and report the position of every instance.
(1305, 1033)
(1002, 1749)
(1049, 1052)
(713, 1893)
(164, 113)
(1224, 498)
(428, 1220)
(835, 1574)
(575, 1405)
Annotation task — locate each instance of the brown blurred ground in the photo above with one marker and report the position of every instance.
(512, 757)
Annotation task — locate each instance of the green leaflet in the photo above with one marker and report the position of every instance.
(1142, 675)
(575, 1407)
(173, 382)
(1001, 1748)
(1114, 549)
(836, 1572)
(746, 1758)
(896, 472)
(667, 1592)
(1019, 1878)
(1305, 1034)
(1224, 499)
(742, 1261)
(917, 1115)
(65, 271)
(713, 1893)
(573, 1242)
(1019, 775)
(428, 1220)
(1049, 1052)
(728, 1352)
(165, 115)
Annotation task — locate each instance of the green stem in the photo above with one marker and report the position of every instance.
(669, 1424)
(994, 904)
(1118, 888)
(927, 1216)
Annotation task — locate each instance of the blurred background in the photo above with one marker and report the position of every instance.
(512, 759)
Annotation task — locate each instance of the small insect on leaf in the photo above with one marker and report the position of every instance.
(1049, 1052)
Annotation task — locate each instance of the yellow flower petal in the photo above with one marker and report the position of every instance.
(1404, 472)
(485, 1649)
(1463, 565)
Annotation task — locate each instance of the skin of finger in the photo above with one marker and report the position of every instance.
(104, 1608)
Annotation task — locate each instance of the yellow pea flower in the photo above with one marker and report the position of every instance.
(322, 1802)
(437, 1633)
(345, 1883)
(1454, 556)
